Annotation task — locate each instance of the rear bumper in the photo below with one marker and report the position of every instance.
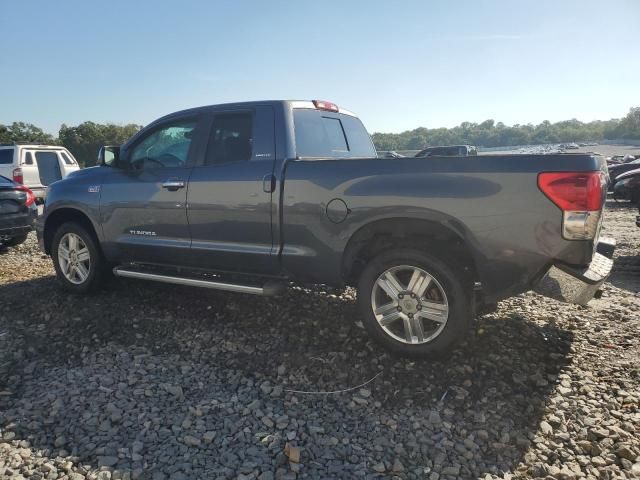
(18, 224)
(578, 285)
(14, 232)
(40, 193)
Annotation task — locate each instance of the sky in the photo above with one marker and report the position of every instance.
(398, 65)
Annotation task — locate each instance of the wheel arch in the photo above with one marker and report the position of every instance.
(64, 215)
(443, 237)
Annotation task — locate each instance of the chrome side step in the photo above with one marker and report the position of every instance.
(270, 288)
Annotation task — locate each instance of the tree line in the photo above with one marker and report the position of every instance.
(492, 134)
(84, 140)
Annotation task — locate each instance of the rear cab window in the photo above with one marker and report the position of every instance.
(324, 134)
(6, 156)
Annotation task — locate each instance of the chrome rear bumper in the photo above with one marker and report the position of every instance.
(578, 285)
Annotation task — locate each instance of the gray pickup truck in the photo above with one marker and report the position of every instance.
(249, 197)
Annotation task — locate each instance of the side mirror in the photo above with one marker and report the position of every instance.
(108, 155)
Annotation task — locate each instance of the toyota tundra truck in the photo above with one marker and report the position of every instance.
(251, 197)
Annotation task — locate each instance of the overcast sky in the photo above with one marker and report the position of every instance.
(399, 65)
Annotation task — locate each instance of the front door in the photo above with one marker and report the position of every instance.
(143, 199)
(230, 205)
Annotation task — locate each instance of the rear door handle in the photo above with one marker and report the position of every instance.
(268, 183)
(173, 185)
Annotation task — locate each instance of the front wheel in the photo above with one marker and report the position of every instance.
(77, 260)
(413, 304)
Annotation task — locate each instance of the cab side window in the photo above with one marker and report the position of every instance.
(231, 138)
(67, 160)
(165, 147)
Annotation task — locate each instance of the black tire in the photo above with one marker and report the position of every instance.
(98, 266)
(451, 279)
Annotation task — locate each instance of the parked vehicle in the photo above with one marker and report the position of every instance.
(393, 154)
(248, 197)
(18, 212)
(449, 151)
(36, 166)
(571, 146)
(618, 169)
(627, 186)
(615, 160)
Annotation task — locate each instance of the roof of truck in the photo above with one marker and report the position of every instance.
(309, 104)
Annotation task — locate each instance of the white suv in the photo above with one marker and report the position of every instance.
(36, 166)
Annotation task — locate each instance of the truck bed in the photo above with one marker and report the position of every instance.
(492, 201)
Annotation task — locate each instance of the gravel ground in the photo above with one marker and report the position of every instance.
(156, 381)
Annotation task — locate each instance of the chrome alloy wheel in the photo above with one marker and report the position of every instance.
(409, 304)
(74, 258)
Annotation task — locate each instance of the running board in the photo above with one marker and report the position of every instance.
(269, 288)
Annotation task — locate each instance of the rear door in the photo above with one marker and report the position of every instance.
(143, 199)
(230, 198)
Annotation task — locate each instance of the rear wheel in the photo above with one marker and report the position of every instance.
(78, 261)
(413, 304)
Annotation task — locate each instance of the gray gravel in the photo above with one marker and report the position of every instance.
(161, 382)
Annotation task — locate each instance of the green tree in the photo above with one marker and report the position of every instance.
(25, 132)
(84, 140)
(629, 126)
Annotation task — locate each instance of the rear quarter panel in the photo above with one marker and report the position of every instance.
(492, 202)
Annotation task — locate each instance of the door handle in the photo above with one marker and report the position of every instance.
(268, 183)
(173, 185)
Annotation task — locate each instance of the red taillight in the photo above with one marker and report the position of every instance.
(17, 175)
(573, 191)
(322, 105)
(31, 198)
